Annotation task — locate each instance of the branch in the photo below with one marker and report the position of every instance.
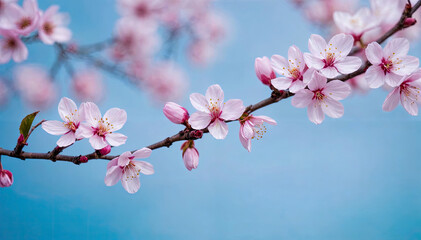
(190, 134)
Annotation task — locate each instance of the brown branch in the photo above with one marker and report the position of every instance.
(189, 134)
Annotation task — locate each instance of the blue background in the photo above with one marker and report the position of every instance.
(357, 177)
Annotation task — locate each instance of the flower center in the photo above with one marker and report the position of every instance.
(330, 59)
(102, 129)
(259, 131)
(142, 10)
(48, 28)
(24, 23)
(72, 126)
(214, 109)
(11, 43)
(318, 95)
(386, 65)
(132, 170)
(295, 73)
(411, 92)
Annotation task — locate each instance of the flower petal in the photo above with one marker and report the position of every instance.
(296, 86)
(374, 53)
(375, 76)
(341, 44)
(113, 175)
(199, 102)
(67, 139)
(124, 159)
(332, 108)
(218, 129)
(392, 100)
(329, 72)
(97, 142)
(317, 46)
(145, 167)
(116, 117)
(302, 98)
(67, 109)
(200, 120)
(116, 139)
(296, 59)
(410, 105)
(246, 142)
(280, 65)
(406, 65)
(232, 109)
(281, 83)
(337, 90)
(55, 127)
(215, 95)
(348, 65)
(266, 119)
(130, 181)
(92, 114)
(315, 113)
(247, 130)
(317, 82)
(112, 163)
(397, 47)
(142, 153)
(313, 62)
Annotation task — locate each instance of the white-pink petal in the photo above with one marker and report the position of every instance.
(199, 102)
(317, 46)
(302, 98)
(142, 153)
(313, 62)
(145, 167)
(375, 76)
(66, 140)
(397, 47)
(315, 113)
(200, 120)
(115, 139)
(215, 95)
(281, 83)
(113, 175)
(332, 108)
(374, 53)
(67, 109)
(55, 127)
(92, 114)
(329, 72)
(232, 109)
(218, 129)
(392, 100)
(348, 65)
(116, 117)
(337, 90)
(97, 142)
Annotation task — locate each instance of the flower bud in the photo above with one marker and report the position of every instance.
(176, 113)
(21, 139)
(190, 155)
(409, 22)
(196, 134)
(83, 159)
(6, 177)
(264, 70)
(104, 151)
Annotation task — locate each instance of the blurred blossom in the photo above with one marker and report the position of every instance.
(210, 26)
(88, 85)
(11, 47)
(35, 86)
(4, 93)
(23, 20)
(358, 84)
(52, 26)
(5, 6)
(321, 12)
(165, 81)
(141, 9)
(201, 52)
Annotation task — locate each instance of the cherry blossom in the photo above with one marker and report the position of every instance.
(125, 169)
(389, 64)
(321, 98)
(141, 9)
(357, 24)
(190, 155)
(264, 70)
(213, 112)
(88, 85)
(23, 20)
(321, 12)
(252, 127)
(5, 6)
(175, 113)
(101, 130)
(332, 59)
(35, 85)
(52, 26)
(292, 69)
(6, 177)
(408, 92)
(201, 52)
(11, 47)
(69, 128)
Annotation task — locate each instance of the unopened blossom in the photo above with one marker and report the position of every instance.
(408, 92)
(101, 130)
(190, 155)
(11, 47)
(105, 150)
(6, 177)
(322, 98)
(252, 127)
(332, 59)
(213, 112)
(264, 70)
(88, 85)
(389, 64)
(292, 69)
(355, 24)
(175, 113)
(125, 169)
(69, 128)
(52, 27)
(23, 20)
(35, 86)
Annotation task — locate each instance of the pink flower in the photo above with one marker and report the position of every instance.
(212, 110)
(88, 85)
(408, 92)
(127, 170)
(355, 24)
(101, 130)
(5, 6)
(12, 47)
(69, 128)
(332, 59)
(141, 9)
(252, 127)
(389, 64)
(6, 177)
(35, 85)
(190, 155)
(293, 69)
(176, 113)
(321, 12)
(322, 98)
(52, 26)
(201, 52)
(23, 20)
(264, 70)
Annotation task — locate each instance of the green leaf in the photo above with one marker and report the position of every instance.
(26, 124)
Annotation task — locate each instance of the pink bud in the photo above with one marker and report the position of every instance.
(176, 113)
(6, 177)
(190, 155)
(21, 139)
(264, 70)
(196, 134)
(83, 159)
(104, 151)
(409, 22)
